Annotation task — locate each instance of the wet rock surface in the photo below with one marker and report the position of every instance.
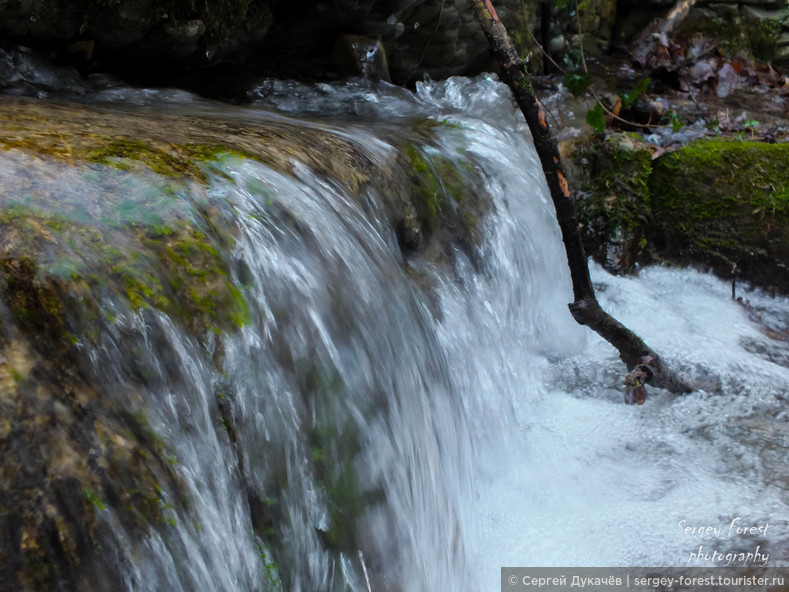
(67, 449)
(103, 214)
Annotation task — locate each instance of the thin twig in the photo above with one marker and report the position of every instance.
(734, 282)
(690, 92)
(558, 67)
(429, 41)
(542, 49)
(546, 54)
(615, 116)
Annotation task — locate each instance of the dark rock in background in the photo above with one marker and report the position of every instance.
(146, 33)
(754, 28)
(298, 39)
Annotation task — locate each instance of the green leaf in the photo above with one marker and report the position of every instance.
(572, 59)
(676, 122)
(595, 118)
(631, 97)
(576, 83)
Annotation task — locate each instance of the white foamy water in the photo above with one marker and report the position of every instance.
(378, 446)
(582, 480)
(566, 474)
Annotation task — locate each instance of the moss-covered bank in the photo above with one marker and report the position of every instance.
(713, 203)
(616, 199)
(725, 203)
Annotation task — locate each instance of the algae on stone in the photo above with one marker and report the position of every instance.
(447, 199)
(68, 452)
(714, 203)
(724, 202)
(82, 241)
(107, 222)
(165, 261)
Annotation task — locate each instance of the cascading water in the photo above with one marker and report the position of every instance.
(362, 433)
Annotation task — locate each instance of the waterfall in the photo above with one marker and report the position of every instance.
(381, 422)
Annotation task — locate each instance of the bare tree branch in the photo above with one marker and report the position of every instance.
(676, 15)
(644, 363)
(653, 40)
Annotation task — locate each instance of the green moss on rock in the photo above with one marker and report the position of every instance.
(177, 268)
(126, 217)
(446, 198)
(616, 201)
(335, 447)
(88, 455)
(714, 203)
(428, 189)
(187, 161)
(126, 154)
(723, 203)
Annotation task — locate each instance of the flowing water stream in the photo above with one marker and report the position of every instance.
(364, 434)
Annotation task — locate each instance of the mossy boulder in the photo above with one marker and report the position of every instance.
(434, 203)
(119, 233)
(720, 204)
(107, 224)
(445, 201)
(724, 203)
(72, 259)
